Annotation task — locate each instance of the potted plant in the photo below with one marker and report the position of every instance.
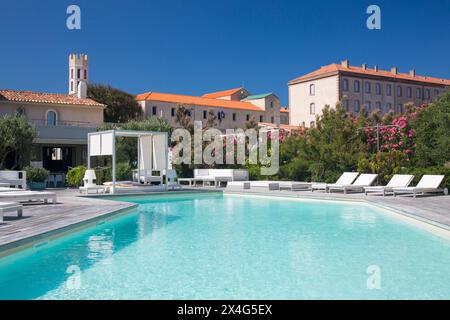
(36, 178)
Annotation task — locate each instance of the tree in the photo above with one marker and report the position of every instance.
(120, 106)
(17, 135)
(432, 128)
(183, 118)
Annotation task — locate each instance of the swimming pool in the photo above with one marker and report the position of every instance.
(215, 246)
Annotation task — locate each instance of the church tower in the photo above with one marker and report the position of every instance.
(78, 74)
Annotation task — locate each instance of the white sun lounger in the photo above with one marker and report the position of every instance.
(427, 184)
(397, 181)
(266, 185)
(238, 185)
(345, 179)
(364, 180)
(294, 185)
(28, 196)
(10, 207)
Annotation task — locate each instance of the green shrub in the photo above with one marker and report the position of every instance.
(385, 164)
(103, 174)
(74, 177)
(124, 172)
(36, 174)
(418, 172)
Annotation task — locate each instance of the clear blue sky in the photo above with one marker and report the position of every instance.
(193, 47)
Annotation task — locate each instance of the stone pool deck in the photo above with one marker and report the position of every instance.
(41, 221)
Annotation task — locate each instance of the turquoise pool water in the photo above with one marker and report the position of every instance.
(231, 247)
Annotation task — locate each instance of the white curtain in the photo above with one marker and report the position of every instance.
(159, 152)
(145, 153)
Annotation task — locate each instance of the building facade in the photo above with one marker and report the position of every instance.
(358, 87)
(62, 120)
(231, 109)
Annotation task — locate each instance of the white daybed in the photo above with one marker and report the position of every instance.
(264, 185)
(427, 184)
(345, 179)
(238, 185)
(17, 179)
(10, 207)
(397, 181)
(364, 180)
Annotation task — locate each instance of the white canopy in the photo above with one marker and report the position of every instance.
(152, 149)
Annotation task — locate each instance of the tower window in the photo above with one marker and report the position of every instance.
(71, 73)
(78, 73)
(85, 74)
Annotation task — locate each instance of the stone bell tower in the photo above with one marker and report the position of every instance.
(78, 74)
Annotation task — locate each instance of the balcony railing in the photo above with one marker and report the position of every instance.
(59, 123)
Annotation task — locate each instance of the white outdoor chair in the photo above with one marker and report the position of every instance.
(345, 179)
(364, 180)
(427, 184)
(397, 181)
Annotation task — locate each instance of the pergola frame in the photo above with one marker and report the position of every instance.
(110, 148)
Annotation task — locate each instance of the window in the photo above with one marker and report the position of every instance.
(247, 117)
(399, 108)
(261, 118)
(303, 124)
(312, 124)
(85, 74)
(271, 104)
(20, 112)
(388, 107)
(367, 86)
(418, 93)
(345, 85)
(356, 86)
(172, 112)
(205, 114)
(399, 91)
(378, 105)
(378, 88)
(71, 85)
(436, 92)
(345, 104)
(388, 90)
(357, 106)
(368, 106)
(272, 120)
(234, 116)
(312, 108)
(51, 118)
(427, 94)
(57, 154)
(78, 73)
(154, 110)
(312, 89)
(71, 73)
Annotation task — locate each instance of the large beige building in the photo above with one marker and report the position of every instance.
(62, 120)
(232, 108)
(355, 87)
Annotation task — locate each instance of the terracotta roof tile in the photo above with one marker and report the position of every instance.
(331, 68)
(198, 101)
(221, 94)
(44, 97)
